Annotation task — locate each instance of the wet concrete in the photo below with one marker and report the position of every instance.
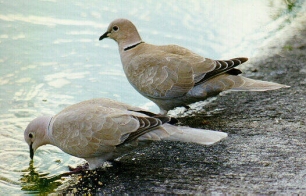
(265, 152)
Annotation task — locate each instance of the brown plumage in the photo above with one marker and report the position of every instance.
(102, 129)
(173, 76)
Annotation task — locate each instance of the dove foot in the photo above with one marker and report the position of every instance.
(78, 169)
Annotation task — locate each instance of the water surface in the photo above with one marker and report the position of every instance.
(51, 58)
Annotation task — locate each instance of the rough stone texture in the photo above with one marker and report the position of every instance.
(265, 152)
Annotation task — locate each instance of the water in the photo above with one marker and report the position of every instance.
(51, 58)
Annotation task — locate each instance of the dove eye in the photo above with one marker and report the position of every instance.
(30, 135)
(115, 28)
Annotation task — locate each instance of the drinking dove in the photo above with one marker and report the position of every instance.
(98, 130)
(172, 76)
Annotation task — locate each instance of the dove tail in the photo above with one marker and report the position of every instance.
(187, 134)
(247, 84)
(231, 82)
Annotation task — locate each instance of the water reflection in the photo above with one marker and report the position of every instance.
(48, 21)
(51, 58)
(34, 182)
(284, 8)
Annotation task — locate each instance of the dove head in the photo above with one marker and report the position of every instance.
(36, 133)
(123, 32)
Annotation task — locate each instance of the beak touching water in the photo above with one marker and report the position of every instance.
(31, 151)
(105, 35)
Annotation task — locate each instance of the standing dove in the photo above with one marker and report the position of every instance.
(173, 76)
(98, 130)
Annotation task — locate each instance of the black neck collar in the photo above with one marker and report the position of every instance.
(49, 125)
(132, 46)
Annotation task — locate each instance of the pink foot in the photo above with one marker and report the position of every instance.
(78, 168)
(75, 170)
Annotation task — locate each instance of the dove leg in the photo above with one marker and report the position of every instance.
(75, 170)
(78, 168)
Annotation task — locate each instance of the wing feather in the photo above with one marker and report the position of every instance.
(91, 130)
(171, 71)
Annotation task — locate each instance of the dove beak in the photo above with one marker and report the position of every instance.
(105, 35)
(31, 151)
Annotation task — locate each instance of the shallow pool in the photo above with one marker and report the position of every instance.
(51, 58)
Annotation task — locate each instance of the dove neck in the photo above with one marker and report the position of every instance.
(42, 135)
(49, 130)
(129, 41)
(132, 46)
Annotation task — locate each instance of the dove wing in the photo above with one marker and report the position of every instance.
(159, 74)
(92, 131)
(200, 65)
(104, 102)
(205, 68)
(171, 71)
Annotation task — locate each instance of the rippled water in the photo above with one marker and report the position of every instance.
(51, 57)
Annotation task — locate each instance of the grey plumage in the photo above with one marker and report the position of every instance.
(101, 129)
(173, 76)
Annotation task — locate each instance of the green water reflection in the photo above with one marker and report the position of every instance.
(33, 182)
(51, 57)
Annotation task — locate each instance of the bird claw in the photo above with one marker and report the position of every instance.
(75, 170)
(78, 168)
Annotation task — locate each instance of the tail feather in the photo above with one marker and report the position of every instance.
(226, 82)
(184, 134)
(247, 84)
(199, 136)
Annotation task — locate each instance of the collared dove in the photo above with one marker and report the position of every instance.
(101, 129)
(173, 76)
